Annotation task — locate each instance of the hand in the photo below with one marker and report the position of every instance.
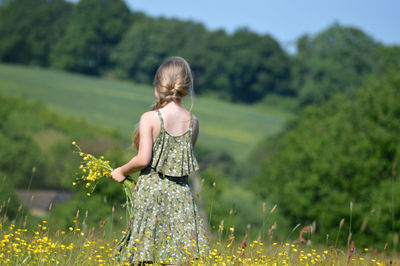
(118, 175)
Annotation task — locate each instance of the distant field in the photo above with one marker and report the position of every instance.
(118, 105)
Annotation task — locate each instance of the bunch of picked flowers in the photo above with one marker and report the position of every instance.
(94, 170)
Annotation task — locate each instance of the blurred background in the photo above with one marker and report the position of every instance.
(298, 102)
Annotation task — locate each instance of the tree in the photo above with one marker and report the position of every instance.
(30, 28)
(334, 61)
(256, 66)
(344, 151)
(96, 27)
(151, 41)
(242, 67)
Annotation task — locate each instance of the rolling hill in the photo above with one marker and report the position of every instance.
(233, 128)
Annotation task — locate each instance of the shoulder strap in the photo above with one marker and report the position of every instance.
(161, 119)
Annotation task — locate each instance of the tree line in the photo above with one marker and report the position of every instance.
(340, 161)
(106, 38)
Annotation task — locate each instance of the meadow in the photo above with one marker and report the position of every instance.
(233, 128)
(30, 240)
(80, 244)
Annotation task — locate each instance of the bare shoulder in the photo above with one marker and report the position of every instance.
(148, 117)
(148, 114)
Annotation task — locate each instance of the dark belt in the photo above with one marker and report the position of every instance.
(176, 179)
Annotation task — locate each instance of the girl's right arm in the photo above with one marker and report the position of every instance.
(142, 159)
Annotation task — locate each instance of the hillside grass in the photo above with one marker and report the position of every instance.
(118, 105)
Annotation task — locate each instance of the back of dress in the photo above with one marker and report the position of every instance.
(173, 155)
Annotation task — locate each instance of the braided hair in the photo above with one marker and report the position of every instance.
(173, 81)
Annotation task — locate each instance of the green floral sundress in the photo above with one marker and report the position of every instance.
(165, 226)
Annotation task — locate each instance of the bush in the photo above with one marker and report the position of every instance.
(344, 152)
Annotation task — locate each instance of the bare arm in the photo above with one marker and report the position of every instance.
(195, 130)
(142, 159)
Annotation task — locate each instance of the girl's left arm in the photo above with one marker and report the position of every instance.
(142, 159)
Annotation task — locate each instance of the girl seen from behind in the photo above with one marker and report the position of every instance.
(165, 226)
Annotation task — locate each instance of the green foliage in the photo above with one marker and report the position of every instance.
(229, 203)
(255, 66)
(9, 203)
(227, 197)
(339, 153)
(104, 206)
(35, 144)
(334, 61)
(103, 37)
(150, 41)
(30, 28)
(96, 27)
(389, 56)
(241, 68)
(36, 152)
(17, 150)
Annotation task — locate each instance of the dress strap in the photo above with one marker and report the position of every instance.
(161, 118)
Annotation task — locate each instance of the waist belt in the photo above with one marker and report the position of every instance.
(180, 180)
(149, 169)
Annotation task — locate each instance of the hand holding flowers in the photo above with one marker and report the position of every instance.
(118, 175)
(96, 169)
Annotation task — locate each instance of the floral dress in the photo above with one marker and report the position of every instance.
(165, 226)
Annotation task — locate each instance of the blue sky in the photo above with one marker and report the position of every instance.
(285, 20)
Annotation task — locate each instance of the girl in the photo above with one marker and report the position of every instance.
(166, 226)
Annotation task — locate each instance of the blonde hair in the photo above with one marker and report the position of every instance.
(173, 81)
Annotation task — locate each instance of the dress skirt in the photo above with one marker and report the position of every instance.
(165, 226)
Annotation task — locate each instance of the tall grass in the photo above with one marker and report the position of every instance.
(80, 244)
(28, 240)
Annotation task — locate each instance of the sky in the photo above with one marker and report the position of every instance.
(284, 20)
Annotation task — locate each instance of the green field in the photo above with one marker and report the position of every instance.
(118, 104)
